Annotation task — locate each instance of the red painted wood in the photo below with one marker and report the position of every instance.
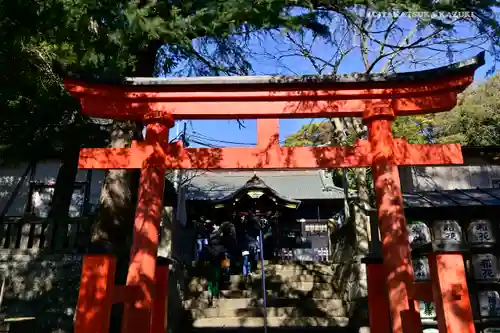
(392, 225)
(270, 92)
(160, 303)
(378, 301)
(451, 295)
(126, 294)
(272, 157)
(142, 269)
(130, 109)
(422, 291)
(95, 296)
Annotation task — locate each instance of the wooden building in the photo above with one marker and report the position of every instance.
(314, 203)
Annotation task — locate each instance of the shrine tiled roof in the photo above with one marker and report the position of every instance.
(453, 198)
(291, 184)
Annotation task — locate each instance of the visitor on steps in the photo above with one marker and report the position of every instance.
(249, 242)
(222, 245)
(201, 240)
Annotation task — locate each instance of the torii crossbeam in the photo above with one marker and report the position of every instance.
(376, 99)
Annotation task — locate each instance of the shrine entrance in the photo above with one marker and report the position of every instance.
(378, 99)
(258, 199)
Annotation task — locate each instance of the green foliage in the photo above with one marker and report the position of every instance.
(476, 120)
(111, 39)
(416, 129)
(313, 134)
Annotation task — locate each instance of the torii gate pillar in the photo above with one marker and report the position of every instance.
(140, 315)
(396, 251)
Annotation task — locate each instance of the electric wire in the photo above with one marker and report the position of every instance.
(204, 137)
(201, 136)
(177, 137)
(205, 144)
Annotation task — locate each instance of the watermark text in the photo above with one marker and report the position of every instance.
(440, 15)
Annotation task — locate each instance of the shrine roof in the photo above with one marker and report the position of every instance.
(460, 68)
(452, 198)
(291, 184)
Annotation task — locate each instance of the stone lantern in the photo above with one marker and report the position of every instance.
(489, 303)
(485, 267)
(447, 231)
(421, 271)
(418, 234)
(480, 232)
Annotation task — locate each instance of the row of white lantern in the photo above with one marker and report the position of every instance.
(478, 232)
(488, 301)
(484, 268)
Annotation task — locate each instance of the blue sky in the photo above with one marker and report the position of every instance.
(227, 132)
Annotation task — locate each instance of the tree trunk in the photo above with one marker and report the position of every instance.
(111, 232)
(61, 198)
(361, 219)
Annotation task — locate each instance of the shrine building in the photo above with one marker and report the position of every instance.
(312, 202)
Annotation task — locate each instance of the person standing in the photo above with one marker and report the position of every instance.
(222, 242)
(249, 241)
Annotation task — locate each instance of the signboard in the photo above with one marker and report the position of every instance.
(480, 232)
(489, 303)
(316, 228)
(448, 231)
(427, 310)
(315, 254)
(255, 194)
(485, 266)
(421, 269)
(418, 233)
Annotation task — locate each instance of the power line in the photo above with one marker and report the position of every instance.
(177, 137)
(209, 145)
(205, 137)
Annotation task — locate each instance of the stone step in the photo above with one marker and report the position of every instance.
(290, 312)
(324, 268)
(300, 271)
(272, 278)
(304, 268)
(308, 329)
(256, 285)
(242, 303)
(282, 322)
(285, 292)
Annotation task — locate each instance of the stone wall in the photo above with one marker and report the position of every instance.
(176, 248)
(350, 277)
(41, 286)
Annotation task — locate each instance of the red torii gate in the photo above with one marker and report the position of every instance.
(377, 99)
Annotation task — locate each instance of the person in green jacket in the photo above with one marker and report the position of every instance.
(222, 241)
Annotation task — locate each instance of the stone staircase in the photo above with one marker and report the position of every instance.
(298, 296)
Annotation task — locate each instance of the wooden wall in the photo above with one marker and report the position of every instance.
(449, 177)
(42, 175)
